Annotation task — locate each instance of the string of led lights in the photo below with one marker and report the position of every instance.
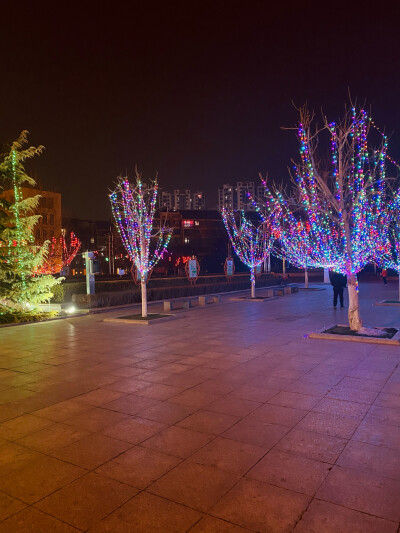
(61, 254)
(133, 208)
(251, 243)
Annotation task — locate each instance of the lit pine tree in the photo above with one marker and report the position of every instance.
(20, 258)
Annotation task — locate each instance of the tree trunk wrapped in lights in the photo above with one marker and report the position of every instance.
(133, 207)
(251, 243)
(21, 288)
(342, 201)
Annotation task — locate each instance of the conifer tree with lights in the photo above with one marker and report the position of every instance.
(133, 207)
(251, 243)
(342, 201)
(21, 290)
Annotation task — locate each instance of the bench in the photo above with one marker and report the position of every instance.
(169, 305)
(209, 299)
(293, 288)
(279, 291)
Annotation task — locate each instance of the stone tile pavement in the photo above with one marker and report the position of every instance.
(226, 420)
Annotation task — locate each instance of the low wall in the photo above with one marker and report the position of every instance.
(168, 290)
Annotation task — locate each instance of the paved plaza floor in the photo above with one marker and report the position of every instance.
(226, 420)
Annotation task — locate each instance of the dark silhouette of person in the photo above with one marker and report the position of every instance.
(338, 282)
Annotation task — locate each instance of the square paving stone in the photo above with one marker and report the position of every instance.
(361, 491)
(63, 410)
(134, 430)
(313, 445)
(277, 414)
(232, 405)
(369, 458)
(31, 520)
(87, 500)
(209, 422)
(289, 471)
(196, 486)
(257, 433)
(23, 425)
(92, 451)
(294, 399)
(138, 467)
(379, 434)
(38, 479)
(230, 455)
(56, 436)
(167, 413)
(9, 506)
(99, 397)
(261, 507)
(177, 441)
(326, 424)
(147, 513)
(329, 518)
(341, 408)
(14, 456)
(95, 419)
(130, 404)
(209, 524)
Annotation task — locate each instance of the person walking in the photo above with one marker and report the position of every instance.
(338, 282)
(384, 276)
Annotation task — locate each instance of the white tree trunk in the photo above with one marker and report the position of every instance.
(253, 282)
(306, 278)
(399, 285)
(354, 307)
(326, 275)
(284, 267)
(144, 297)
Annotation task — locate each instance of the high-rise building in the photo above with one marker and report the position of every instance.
(198, 203)
(243, 190)
(165, 201)
(227, 197)
(182, 199)
(236, 197)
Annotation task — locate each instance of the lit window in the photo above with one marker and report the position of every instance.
(186, 240)
(196, 223)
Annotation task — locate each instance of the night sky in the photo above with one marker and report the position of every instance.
(197, 91)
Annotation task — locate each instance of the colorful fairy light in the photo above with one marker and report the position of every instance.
(133, 208)
(251, 243)
(61, 253)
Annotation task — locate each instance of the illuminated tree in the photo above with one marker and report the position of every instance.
(20, 258)
(342, 201)
(61, 253)
(387, 253)
(133, 207)
(294, 236)
(251, 243)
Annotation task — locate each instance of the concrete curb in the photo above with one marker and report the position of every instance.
(154, 321)
(395, 340)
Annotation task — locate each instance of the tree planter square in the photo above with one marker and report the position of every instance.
(151, 319)
(341, 332)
